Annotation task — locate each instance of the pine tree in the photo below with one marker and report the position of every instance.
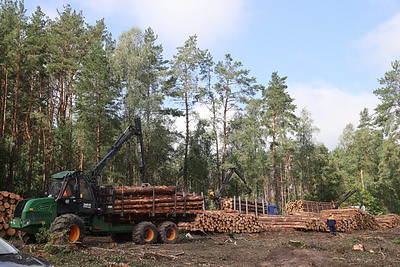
(186, 69)
(233, 87)
(280, 122)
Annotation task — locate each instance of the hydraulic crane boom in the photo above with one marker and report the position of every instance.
(349, 194)
(228, 176)
(122, 139)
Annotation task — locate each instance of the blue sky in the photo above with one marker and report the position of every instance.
(332, 52)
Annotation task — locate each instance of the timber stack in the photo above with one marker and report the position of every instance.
(234, 222)
(388, 220)
(298, 221)
(243, 205)
(150, 200)
(222, 222)
(8, 202)
(348, 219)
(308, 206)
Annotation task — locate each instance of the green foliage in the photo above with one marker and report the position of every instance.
(396, 240)
(71, 90)
(43, 235)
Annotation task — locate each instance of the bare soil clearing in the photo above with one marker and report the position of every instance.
(275, 248)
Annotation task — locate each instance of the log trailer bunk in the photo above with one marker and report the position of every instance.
(78, 204)
(216, 197)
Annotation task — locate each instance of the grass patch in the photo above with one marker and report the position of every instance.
(354, 240)
(396, 240)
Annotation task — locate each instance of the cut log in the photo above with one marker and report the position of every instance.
(8, 203)
(138, 190)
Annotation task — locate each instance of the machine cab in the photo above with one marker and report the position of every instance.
(73, 193)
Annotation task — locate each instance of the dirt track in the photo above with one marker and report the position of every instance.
(279, 248)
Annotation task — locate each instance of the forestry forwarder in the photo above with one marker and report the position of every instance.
(78, 204)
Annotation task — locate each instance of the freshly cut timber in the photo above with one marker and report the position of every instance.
(139, 190)
(388, 220)
(149, 200)
(308, 206)
(223, 222)
(7, 207)
(350, 219)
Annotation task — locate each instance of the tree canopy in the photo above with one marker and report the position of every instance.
(68, 89)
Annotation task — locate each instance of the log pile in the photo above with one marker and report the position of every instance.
(222, 222)
(153, 200)
(235, 222)
(298, 221)
(388, 221)
(8, 202)
(348, 219)
(308, 206)
(229, 204)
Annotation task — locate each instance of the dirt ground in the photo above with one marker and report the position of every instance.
(274, 248)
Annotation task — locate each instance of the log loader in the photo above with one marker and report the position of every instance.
(349, 194)
(78, 204)
(216, 197)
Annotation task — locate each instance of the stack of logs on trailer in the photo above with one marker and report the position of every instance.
(132, 202)
(8, 201)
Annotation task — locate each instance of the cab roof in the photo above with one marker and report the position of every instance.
(61, 175)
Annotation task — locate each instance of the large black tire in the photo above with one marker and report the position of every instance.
(168, 233)
(72, 224)
(121, 237)
(27, 238)
(144, 233)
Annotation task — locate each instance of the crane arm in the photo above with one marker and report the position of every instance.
(227, 178)
(122, 139)
(349, 194)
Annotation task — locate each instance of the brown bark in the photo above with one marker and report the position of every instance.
(137, 190)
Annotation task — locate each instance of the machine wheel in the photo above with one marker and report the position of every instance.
(121, 237)
(26, 237)
(168, 233)
(72, 223)
(144, 233)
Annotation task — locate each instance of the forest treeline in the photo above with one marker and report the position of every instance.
(68, 89)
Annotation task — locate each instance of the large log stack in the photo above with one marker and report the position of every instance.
(388, 221)
(223, 222)
(348, 219)
(232, 221)
(8, 202)
(298, 221)
(308, 206)
(151, 200)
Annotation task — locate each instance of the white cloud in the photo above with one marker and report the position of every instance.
(331, 108)
(381, 46)
(175, 20)
(172, 20)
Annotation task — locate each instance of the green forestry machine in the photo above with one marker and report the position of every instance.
(77, 204)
